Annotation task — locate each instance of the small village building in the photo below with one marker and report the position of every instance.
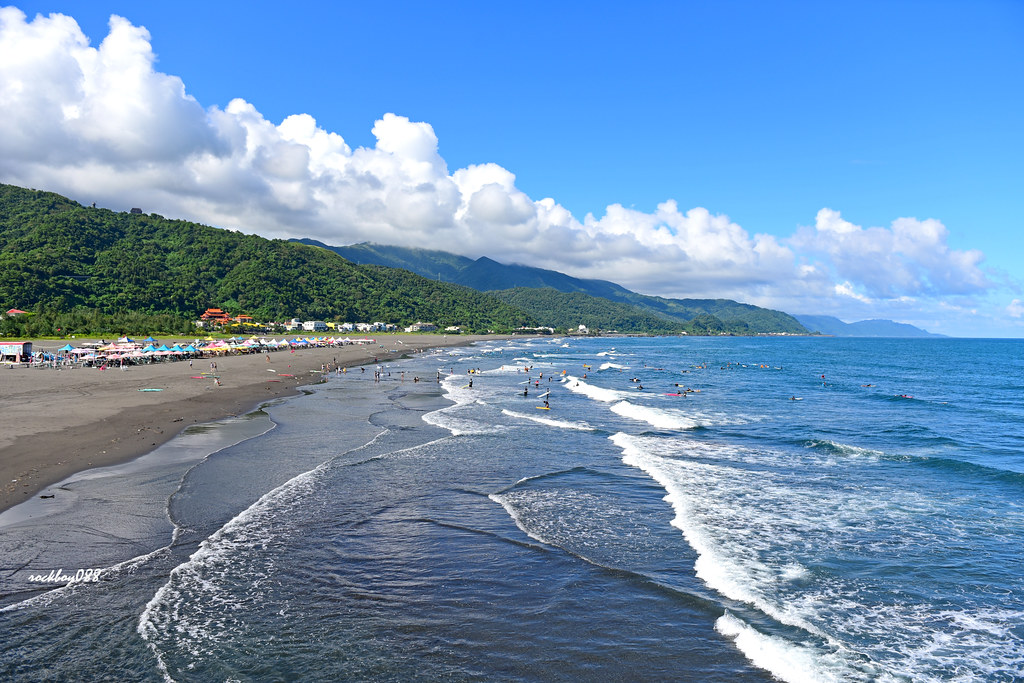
(314, 326)
(421, 327)
(16, 351)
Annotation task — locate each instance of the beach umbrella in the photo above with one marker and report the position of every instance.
(149, 339)
(66, 347)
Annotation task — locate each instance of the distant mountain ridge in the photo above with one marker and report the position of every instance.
(487, 275)
(827, 324)
(482, 274)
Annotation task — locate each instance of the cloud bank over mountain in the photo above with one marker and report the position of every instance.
(102, 124)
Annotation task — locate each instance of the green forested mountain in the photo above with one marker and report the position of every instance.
(738, 318)
(571, 309)
(58, 255)
(486, 274)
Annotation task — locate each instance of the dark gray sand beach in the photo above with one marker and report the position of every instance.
(60, 421)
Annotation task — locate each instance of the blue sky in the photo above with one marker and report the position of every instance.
(855, 159)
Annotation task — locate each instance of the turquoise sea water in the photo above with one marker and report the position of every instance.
(812, 510)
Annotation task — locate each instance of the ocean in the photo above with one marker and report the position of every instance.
(694, 509)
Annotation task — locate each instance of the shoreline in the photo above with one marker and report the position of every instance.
(59, 422)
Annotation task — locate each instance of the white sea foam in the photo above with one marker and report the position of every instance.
(448, 418)
(735, 576)
(613, 366)
(656, 417)
(561, 424)
(716, 527)
(783, 659)
(755, 529)
(457, 418)
(196, 583)
(503, 370)
(578, 386)
(855, 451)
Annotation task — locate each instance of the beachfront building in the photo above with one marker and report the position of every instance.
(16, 351)
(421, 327)
(214, 316)
(314, 326)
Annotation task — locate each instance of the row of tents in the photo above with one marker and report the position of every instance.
(129, 349)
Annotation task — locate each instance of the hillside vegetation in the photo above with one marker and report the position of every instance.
(56, 255)
(698, 316)
(563, 310)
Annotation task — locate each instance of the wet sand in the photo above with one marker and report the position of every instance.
(58, 422)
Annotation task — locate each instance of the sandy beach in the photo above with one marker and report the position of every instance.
(60, 421)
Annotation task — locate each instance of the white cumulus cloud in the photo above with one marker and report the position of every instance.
(911, 257)
(101, 124)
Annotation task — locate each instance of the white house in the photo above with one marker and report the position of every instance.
(314, 326)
